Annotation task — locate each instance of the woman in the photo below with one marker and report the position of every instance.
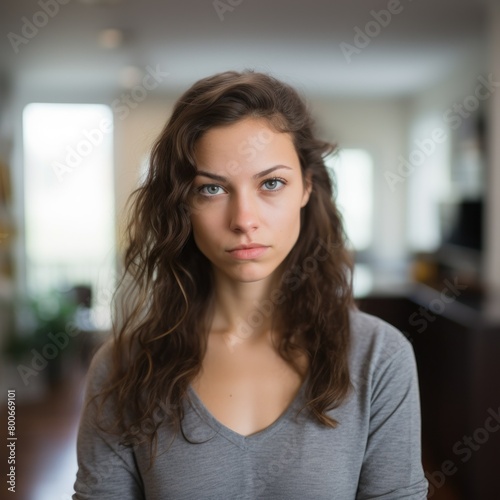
(243, 369)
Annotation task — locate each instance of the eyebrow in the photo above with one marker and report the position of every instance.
(221, 178)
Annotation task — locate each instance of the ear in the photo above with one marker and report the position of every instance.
(308, 185)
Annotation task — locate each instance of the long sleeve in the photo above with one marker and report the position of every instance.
(106, 469)
(392, 466)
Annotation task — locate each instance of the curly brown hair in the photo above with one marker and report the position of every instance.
(167, 282)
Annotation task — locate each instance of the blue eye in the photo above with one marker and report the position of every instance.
(208, 187)
(273, 181)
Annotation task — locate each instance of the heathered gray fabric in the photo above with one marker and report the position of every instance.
(374, 452)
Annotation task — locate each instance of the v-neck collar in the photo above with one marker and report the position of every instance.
(245, 442)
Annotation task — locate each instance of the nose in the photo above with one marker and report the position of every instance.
(243, 213)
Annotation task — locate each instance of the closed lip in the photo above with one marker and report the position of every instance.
(246, 247)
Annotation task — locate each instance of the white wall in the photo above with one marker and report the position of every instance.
(380, 127)
(134, 137)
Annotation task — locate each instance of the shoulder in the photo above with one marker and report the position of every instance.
(385, 407)
(376, 343)
(99, 371)
(370, 331)
(99, 402)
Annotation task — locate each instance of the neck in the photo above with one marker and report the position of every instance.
(243, 310)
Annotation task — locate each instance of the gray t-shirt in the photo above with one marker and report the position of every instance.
(374, 452)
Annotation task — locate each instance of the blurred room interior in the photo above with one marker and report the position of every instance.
(408, 90)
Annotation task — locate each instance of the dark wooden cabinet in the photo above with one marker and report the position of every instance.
(457, 349)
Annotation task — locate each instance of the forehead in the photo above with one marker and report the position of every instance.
(242, 127)
(251, 143)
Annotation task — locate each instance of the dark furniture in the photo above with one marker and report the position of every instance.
(457, 348)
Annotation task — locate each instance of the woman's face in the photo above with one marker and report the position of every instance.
(248, 191)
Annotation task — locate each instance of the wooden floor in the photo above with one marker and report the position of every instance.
(46, 443)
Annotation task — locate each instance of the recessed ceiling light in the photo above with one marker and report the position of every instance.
(110, 38)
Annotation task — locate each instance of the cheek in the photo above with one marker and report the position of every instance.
(206, 229)
(199, 228)
(286, 222)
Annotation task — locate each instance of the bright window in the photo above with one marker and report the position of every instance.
(352, 171)
(69, 199)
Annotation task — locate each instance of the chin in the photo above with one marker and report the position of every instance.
(247, 275)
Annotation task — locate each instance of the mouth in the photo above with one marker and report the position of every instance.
(245, 252)
(246, 247)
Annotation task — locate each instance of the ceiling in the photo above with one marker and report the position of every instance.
(299, 41)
